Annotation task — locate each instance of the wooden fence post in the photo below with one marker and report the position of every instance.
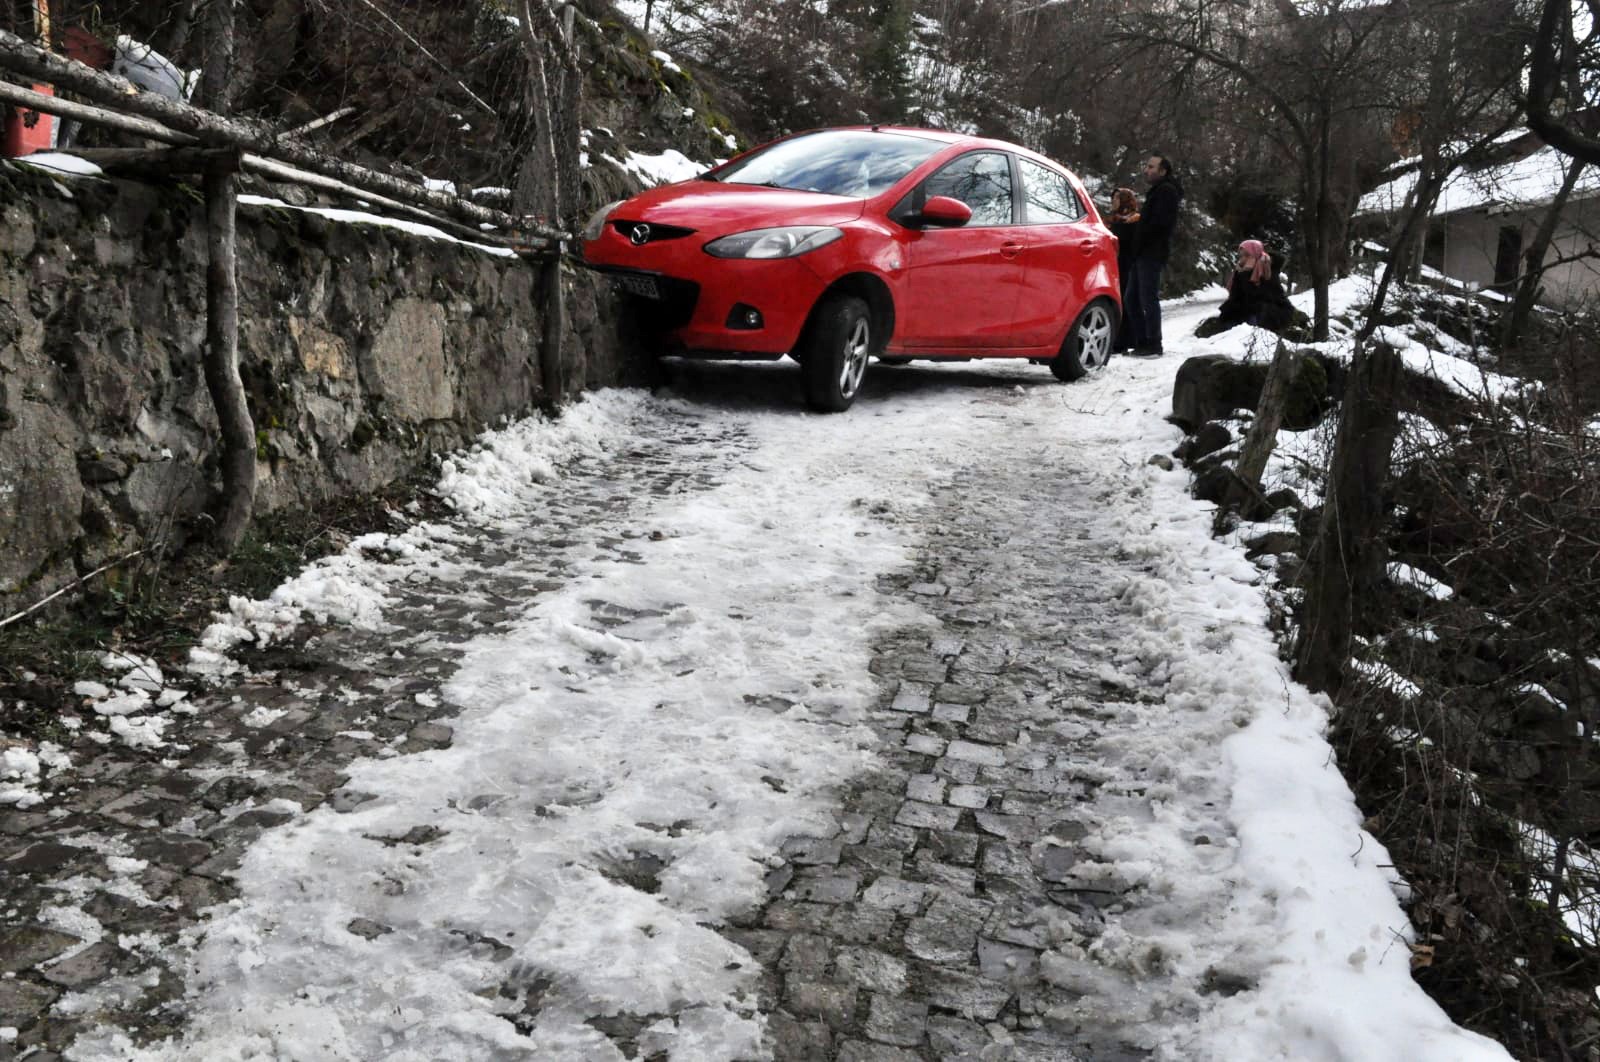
(1350, 551)
(1263, 433)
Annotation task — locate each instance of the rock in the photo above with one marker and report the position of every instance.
(321, 351)
(894, 1021)
(1308, 396)
(1212, 437)
(94, 963)
(406, 364)
(1161, 461)
(156, 491)
(30, 945)
(1212, 386)
(97, 470)
(1217, 485)
(40, 487)
(1284, 498)
(23, 1003)
(1274, 542)
(833, 1004)
(368, 929)
(431, 736)
(969, 996)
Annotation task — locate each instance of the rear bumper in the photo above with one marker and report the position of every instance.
(696, 294)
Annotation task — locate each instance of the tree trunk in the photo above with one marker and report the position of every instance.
(222, 298)
(1348, 557)
(548, 181)
(1321, 279)
(1521, 307)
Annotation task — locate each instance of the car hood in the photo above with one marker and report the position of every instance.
(713, 207)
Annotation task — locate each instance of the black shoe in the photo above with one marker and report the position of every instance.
(1145, 352)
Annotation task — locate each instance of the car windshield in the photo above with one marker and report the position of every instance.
(853, 163)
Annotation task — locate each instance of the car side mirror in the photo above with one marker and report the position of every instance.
(943, 212)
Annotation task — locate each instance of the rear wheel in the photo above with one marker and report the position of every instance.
(1088, 344)
(834, 350)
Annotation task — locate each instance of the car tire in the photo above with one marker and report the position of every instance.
(1089, 342)
(834, 352)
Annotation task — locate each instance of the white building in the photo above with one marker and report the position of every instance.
(1486, 218)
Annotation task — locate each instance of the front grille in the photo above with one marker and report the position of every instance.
(654, 233)
(671, 308)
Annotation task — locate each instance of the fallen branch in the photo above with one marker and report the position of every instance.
(79, 581)
(168, 160)
(31, 61)
(82, 112)
(327, 119)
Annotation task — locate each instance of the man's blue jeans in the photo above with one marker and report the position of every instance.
(1144, 303)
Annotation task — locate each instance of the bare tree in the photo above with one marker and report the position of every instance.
(1454, 111)
(548, 182)
(222, 295)
(1313, 74)
(1562, 70)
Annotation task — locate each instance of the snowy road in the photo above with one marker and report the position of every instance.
(715, 730)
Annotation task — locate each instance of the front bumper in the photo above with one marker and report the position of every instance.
(694, 294)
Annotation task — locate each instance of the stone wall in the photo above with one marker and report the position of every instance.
(362, 349)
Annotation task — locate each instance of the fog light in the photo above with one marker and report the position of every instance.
(744, 317)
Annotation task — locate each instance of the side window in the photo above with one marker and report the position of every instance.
(982, 180)
(1050, 199)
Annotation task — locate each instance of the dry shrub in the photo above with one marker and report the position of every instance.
(1471, 743)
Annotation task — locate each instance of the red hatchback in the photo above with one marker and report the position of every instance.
(834, 245)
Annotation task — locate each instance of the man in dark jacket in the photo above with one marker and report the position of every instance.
(1156, 223)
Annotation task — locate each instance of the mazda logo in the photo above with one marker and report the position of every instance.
(639, 235)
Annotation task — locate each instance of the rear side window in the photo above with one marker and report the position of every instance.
(982, 180)
(1050, 198)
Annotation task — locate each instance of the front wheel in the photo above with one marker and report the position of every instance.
(834, 352)
(1088, 344)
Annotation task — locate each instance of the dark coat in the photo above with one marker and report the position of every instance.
(1266, 302)
(1159, 219)
(1127, 234)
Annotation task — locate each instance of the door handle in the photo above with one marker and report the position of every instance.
(1010, 250)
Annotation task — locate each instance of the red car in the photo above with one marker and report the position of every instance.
(834, 245)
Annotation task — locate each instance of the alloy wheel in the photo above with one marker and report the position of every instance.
(1094, 338)
(854, 363)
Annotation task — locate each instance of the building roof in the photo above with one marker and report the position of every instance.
(1513, 184)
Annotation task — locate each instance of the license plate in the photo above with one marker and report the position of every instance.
(634, 284)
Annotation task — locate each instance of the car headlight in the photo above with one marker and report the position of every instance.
(597, 221)
(783, 242)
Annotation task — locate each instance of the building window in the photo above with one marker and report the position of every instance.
(1508, 257)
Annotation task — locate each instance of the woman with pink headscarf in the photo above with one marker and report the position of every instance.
(1255, 295)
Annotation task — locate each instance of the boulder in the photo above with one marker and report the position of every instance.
(1212, 386)
(41, 495)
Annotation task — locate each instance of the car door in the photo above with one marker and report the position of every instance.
(960, 286)
(1065, 250)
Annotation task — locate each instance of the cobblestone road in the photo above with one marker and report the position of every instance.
(917, 931)
(101, 887)
(929, 925)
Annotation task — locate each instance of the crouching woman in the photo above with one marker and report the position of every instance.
(1255, 295)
